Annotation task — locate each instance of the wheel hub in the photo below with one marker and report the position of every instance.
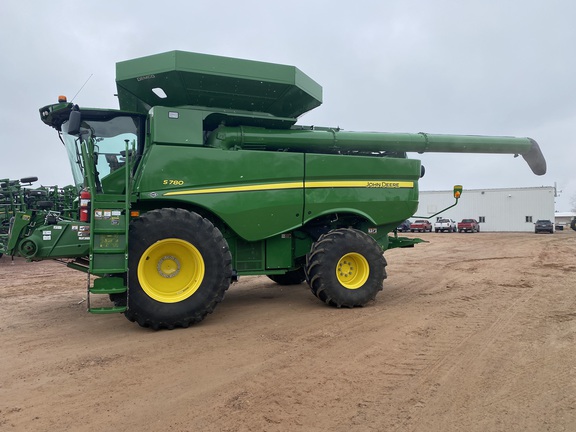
(345, 268)
(168, 266)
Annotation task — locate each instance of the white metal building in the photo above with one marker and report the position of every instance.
(510, 209)
(563, 219)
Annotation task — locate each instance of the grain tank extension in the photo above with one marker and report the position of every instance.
(203, 176)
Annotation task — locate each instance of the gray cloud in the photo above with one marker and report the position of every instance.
(488, 68)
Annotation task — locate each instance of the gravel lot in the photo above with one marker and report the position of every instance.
(472, 332)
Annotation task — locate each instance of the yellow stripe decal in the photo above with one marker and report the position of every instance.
(369, 184)
(251, 188)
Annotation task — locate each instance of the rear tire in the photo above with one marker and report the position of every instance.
(179, 269)
(119, 299)
(346, 268)
(28, 179)
(294, 277)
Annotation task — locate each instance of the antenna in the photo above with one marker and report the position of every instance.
(85, 82)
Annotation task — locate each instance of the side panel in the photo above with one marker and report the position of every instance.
(35, 241)
(383, 189)
(279, 251)
(273, 254)
(257, 193)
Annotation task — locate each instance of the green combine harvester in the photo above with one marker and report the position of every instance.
(203, 176)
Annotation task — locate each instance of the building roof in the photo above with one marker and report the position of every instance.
(495, 189)
(565, 214)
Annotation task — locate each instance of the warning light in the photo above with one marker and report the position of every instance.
(62, 99)
(457, 191)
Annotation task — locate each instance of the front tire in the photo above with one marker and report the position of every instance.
(346, 268)
(179, 268)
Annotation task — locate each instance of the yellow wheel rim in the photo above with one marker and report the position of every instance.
(171, 270)
(352, 271)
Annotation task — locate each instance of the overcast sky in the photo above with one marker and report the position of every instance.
(486, 67)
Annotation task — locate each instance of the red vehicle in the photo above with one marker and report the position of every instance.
(421, 225)
(468, 225)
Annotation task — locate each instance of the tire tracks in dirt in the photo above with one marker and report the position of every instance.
(470, 333)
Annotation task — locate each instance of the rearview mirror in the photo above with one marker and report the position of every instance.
(74, 122)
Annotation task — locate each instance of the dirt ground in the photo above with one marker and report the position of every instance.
(472, 332)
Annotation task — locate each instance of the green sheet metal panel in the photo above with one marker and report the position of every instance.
(214, 81)
(258, 194)
(279, 252)
(384, 190)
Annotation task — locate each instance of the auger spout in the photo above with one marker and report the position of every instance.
(334, 141)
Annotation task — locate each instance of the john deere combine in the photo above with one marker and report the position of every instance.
(203, 175)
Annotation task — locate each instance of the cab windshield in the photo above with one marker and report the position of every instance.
(110, 136)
